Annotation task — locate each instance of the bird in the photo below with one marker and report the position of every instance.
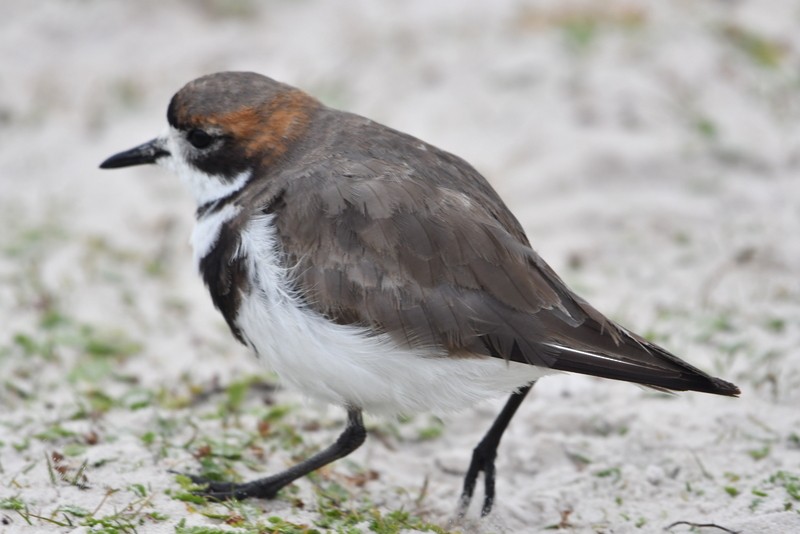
(374, 271)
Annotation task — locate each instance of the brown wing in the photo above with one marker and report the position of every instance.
(418, 245)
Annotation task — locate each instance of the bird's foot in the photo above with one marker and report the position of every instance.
(482, 460)
(263, 488)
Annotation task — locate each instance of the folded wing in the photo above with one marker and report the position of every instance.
(422, 248)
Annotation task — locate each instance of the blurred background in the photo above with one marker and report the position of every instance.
(651, 151)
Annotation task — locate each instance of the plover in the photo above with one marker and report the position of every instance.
(372, 270)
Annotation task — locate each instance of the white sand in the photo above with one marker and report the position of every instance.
(652, 156)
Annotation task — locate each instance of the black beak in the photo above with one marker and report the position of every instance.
(146, 153)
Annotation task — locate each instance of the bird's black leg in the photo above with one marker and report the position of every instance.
(266, 488)
(484, 454)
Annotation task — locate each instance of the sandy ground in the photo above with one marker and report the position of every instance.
(651, 150)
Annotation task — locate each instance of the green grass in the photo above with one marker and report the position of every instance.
(759, 49)
(134, 517)
(336, 510)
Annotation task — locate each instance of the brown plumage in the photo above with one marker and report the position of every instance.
(382, 231)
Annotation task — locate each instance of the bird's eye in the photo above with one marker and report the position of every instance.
(198, 138)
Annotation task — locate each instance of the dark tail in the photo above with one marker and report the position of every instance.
(609, 351)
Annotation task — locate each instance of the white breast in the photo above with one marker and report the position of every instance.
(345, 364)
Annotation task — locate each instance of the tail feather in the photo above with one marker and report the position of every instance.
(609, 351)
(668, 376)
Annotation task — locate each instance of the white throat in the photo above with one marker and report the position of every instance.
(204, 187)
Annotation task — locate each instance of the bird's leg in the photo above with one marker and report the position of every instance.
(266, 488)
(484, 454)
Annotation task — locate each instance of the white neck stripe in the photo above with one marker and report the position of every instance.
(207, 229)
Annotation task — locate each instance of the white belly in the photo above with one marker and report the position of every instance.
(345, 364)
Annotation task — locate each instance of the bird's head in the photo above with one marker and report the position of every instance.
(223, 128)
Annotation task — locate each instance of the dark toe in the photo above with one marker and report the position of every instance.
(215, 489)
